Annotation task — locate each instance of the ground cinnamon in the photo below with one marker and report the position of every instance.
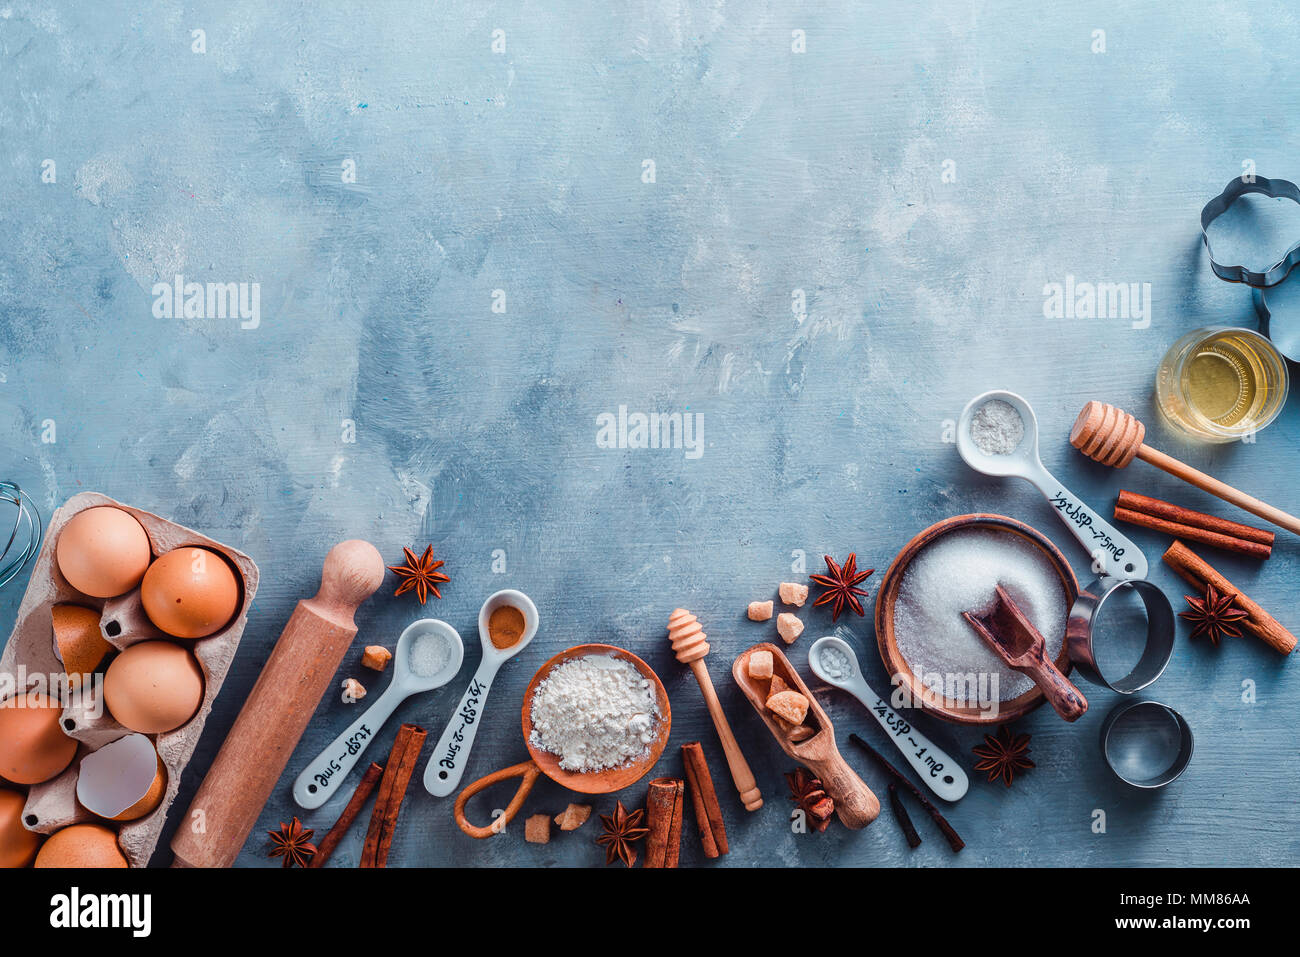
(708, 813)
(506, 626)
(341, 827)
(1192, 525)
(392, 790)
(1197, 572)
(663, 845)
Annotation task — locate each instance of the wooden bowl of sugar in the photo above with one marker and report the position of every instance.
(954, 566)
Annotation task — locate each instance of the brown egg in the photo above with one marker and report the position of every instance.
(17, 844)
(33, 747)
(103, 552)
(81, 845)
(153, 686)
(190, 592)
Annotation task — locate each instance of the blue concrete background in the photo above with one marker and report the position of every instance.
(522, 171)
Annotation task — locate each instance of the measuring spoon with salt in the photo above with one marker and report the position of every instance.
(429, 653)
(447, 763)
(1113, 555)
(833, 661)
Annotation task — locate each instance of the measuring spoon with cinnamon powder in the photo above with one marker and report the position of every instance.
(506, 624)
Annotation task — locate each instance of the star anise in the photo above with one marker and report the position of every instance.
(293, 843)
(1004, 755)
(419, 573)
(841, 586)
(1213, 615)
(809, 794)
(621, 830)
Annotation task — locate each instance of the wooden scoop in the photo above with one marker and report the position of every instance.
(1017, 642)
(1113, 437)
(854, 803)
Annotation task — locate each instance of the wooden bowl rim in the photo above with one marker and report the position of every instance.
(887, 594)
(610, 779)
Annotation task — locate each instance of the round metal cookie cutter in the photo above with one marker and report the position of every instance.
(1081, 628)
(1146, 743)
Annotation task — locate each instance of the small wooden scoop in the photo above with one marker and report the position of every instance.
(812, 744)
(1017, 642)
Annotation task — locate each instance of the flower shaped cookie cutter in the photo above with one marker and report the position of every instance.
(1238, 187)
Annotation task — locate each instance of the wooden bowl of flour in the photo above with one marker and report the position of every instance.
(544, 762)
(887, 640)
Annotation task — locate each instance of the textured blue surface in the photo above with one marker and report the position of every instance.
(522, 171)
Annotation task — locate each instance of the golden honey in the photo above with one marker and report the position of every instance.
(1220, 384)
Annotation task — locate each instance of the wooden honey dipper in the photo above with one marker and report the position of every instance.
(687, 636)
(1113, 437)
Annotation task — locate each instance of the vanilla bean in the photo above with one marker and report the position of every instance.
(954, 839)
(904, 821)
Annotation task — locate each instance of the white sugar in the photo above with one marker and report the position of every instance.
(959, 572)
(429, 655)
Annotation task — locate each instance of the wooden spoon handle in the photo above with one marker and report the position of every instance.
(743, 777)
(1060, 692)
(1223, 490)
(528, 770)
(855, 803)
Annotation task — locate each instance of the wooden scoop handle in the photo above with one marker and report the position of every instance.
(528, 770)
(855, 803)
(1060, 692)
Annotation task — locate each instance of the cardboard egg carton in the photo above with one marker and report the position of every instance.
(123, 622)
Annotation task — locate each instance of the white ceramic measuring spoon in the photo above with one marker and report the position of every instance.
(941, 773)
(321, 778)
(1113, 555)
(447, 763)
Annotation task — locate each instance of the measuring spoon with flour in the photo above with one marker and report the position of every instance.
(429, 653)
(447, 763)
(1007, 446)
(833, 661)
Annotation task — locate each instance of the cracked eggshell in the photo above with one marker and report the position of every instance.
(122, 781)
(78, 643)
(18, 846)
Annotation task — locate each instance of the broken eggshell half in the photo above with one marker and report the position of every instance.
(78, 643)
(122, 781)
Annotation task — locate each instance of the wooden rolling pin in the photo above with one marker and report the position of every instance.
(293, 681)
(1113, 437)
(687, 636)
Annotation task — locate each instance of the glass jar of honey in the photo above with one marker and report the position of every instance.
(1220, 384)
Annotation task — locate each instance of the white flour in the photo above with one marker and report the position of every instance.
(594, 712)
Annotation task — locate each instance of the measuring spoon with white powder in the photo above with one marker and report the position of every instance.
(997, 435)
(833, 661)
(447, 763)
(429, 653)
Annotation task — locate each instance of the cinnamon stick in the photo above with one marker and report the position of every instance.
(954, 839)
(708, 813)
(392, 790)
(663, 845)
(1197, 572)
(341, 827)
(1192, 525)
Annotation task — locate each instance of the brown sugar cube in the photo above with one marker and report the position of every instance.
(788, 626)
(537, 829)
(573, 817)
(790, 705)
(792, 593)
(353, 691)
(760, 610)
(801, 733)
(777, 686)
(376, 657)
(760, 664)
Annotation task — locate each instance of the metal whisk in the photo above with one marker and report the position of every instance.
(24, 538)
